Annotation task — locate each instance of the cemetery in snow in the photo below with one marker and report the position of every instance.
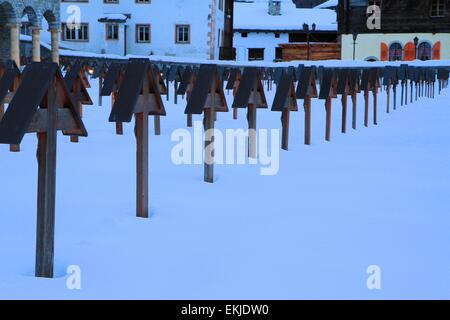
(44, 98)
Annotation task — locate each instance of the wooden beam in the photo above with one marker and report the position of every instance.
(375, 112)
(65, 121)
(141, 131)
(251, 119)
(388, 98)
(100, 86)
(285, 129)
(307, 107)
(46, 155)
(328, 119)
(366, 108)
(344, 113)
(354, 109)
(157, 125)
(208, 126)
(119, 125)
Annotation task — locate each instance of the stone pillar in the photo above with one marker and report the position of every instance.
(36, 44)
(15, 43)
(55, 44)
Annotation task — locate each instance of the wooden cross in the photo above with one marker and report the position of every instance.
(306, 89)
(344, 89)
(234, 80)
(285, 101)
(43, 105)
(139, 95)
(250, 95)
(207, 97)
(328, 91)
(111, 83)
(185, 88)
(77, 83)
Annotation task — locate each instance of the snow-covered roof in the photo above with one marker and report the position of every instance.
(328, 4)
(113, 17)
(255, 16)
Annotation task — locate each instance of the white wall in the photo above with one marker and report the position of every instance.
(163, 15)
(264, 40)
(368, 45)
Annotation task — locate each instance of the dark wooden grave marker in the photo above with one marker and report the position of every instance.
(139, 95)
(306, 89)
(328, 91)
(207, 98)
(285, 101)
(250, 95)
(44, 105)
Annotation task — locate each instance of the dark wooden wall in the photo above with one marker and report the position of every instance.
(397, 16)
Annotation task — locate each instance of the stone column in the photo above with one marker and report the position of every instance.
(15, 43)
(55, 44)
(36, 44)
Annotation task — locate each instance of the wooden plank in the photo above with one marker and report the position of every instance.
(375, 113)
(354, 110)
(307, 107)
(366, 108)
(46, 155)
(208, 125)
(141, 132)
(285, 115)
(251, 119)
(65, 121)
(328, 119)
(344, 113)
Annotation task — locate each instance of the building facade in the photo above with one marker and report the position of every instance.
(144, 27)
(264, 29)
(402, 30)
(39, 15)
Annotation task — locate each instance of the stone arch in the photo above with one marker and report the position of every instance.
(8, 13)
(30, 13)
(51, 18)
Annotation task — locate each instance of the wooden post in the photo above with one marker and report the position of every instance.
(235, 113)
(344, 113)
(402, 93)
(388, 98)
(175, 89)
(406, 92)
(79, 107)
(354, 100)
(157, 123)
(307, 107)
(46, 155)
(2, 110)
(394, 88)
(208, 125)
(119, 125)
(251, 119)
(285, 129)
(366, 108)
(328, 119)
(189, 120)
(168, 86)
(412, 92)
(141, 132)
(100, 85)
(375, 118)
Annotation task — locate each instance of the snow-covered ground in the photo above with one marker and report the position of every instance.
(375, 196)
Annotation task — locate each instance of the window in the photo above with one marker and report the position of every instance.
(437, 8)
(277, 35)
(111, 1)
(143, 33)
(278, 54)
(78, 33)
(183, 34)
(255, 54)
(395, 52)
(424, 51)
(112, 31)
(221, 5)
(244, 35)
(142, 1)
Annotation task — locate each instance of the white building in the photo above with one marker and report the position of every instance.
(144, 27)
(260, 26)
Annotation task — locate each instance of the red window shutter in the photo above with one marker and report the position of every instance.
(437, 51)
(384, 52)
(410, 51)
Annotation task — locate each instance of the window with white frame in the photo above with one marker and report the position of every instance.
(75, 32)
(111, 1)
(112, 31)
(183, 33)
(143, 33)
